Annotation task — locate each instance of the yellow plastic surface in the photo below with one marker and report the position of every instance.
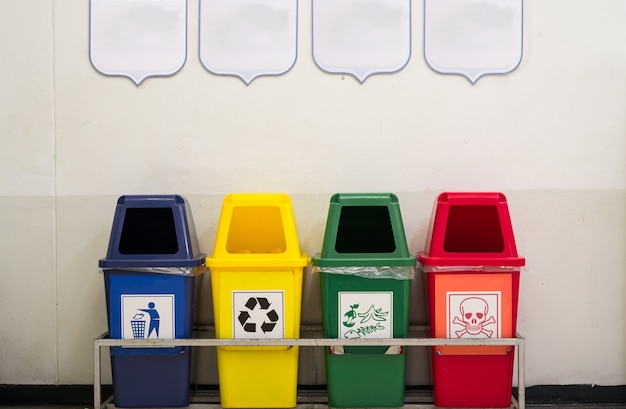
(256, 250)
(256, 230)
(258, 379)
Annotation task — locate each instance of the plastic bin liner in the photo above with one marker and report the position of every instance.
(395, 272)
(179, 271)
(479, 268)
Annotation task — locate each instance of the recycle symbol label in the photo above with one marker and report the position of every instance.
(258, 314)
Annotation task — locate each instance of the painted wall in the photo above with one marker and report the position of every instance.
(551, 136)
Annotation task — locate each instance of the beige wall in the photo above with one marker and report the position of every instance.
(551, 136)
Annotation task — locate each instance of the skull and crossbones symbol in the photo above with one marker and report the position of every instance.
(474, 317)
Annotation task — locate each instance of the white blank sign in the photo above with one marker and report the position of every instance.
(361, 37)
(473, 37)
(248, 38)
(138, 38)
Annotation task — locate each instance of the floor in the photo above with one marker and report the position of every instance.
(194, 406)
(317, 399)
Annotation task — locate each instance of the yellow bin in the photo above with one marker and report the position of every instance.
(256, 278)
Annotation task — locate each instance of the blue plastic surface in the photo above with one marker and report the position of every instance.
(151, 377)
(121, 283)
(150, 231)
(145, 381)
(185, 253)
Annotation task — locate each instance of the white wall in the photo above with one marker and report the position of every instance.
(551, 136)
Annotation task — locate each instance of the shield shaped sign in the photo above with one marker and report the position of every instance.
(248, 38)
(473, 37)
(361, 37)
(138, 38)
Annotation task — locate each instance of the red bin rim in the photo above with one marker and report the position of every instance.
(436, 254)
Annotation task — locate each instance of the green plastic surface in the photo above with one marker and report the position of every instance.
(365, 376)
(365, 380)
(364, 229)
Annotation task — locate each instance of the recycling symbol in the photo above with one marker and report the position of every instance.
(268, 320)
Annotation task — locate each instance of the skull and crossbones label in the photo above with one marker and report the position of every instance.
(473, 315)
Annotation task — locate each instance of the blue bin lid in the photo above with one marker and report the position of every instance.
(152, 231)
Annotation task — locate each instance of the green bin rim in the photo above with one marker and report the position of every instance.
(330, 257)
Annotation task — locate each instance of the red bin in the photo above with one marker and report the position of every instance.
(472, 271)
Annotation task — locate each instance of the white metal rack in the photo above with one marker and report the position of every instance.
(207, 339)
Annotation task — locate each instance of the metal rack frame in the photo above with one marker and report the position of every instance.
(103, 341)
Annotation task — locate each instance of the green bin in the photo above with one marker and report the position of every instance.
(365, 275)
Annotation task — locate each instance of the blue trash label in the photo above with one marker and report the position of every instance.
(366, 314)
(258, 314)
(148, 316)
(474, 314)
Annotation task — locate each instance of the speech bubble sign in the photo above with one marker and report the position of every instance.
(473, 37)
(138, 38)
(248, 38)
(361, 37)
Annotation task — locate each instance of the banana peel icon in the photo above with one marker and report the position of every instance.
(351, 316)
(376, 314)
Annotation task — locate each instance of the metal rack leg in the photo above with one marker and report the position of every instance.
(97, 396)
(521, 373)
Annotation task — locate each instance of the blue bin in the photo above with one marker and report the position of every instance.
(149, 277)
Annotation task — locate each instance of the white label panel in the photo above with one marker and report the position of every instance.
(366, 314)
(148, 316)
(473, 314)
(258, 314)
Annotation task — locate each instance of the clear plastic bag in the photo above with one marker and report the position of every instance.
(181, 271)
(395, 272)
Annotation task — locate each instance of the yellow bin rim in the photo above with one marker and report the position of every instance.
(247, 215)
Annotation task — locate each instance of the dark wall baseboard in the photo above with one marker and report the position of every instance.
(573, 394)
(49, 394)
(83, 394)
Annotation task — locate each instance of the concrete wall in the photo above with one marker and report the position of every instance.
(551, 136)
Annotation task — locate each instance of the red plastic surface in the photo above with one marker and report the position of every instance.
(471, 249)
(471, 229)
(473, 381)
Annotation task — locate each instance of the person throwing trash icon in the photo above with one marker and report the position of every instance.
(154, 319)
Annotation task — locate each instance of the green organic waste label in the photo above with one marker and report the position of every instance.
(366, 314)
